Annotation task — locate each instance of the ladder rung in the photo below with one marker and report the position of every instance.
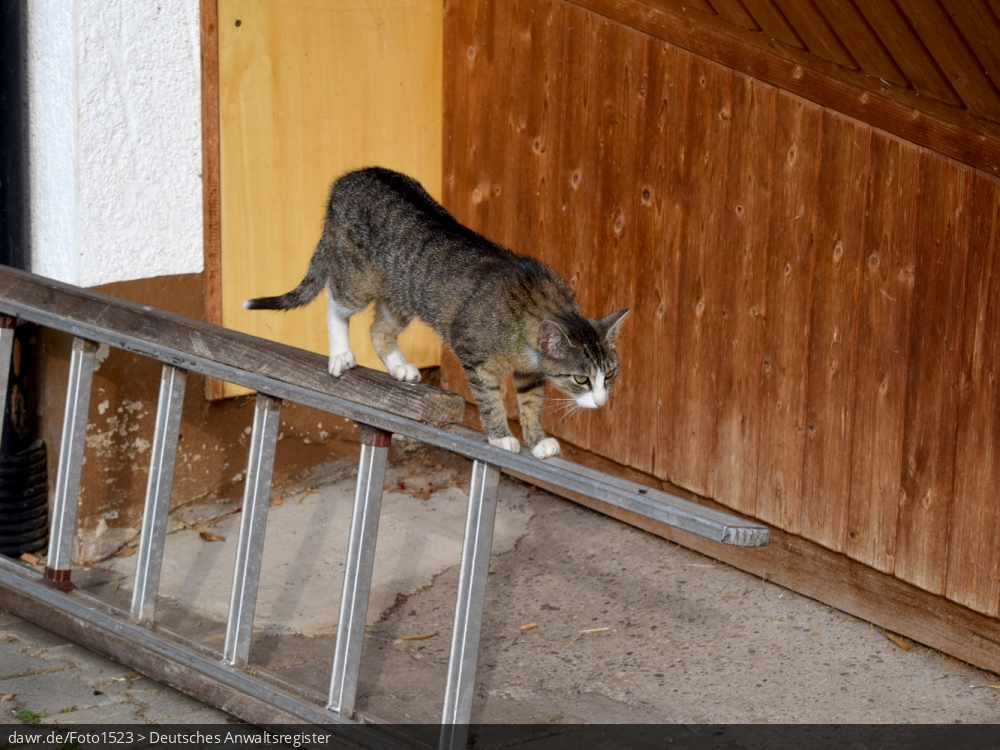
(157, 507)
(358, 570)
(250, 545)
(74, 432)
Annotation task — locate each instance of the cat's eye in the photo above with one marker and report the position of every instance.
(581, 379)
(610, 374)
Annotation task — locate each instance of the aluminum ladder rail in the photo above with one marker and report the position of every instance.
(184, 345)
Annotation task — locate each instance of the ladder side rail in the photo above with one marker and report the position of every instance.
(163, 457)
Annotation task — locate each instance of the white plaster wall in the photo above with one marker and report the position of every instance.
(115, 118)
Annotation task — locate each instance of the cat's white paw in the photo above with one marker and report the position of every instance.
(341, 363)
(508, 443)
(546, 448)
(407, 373)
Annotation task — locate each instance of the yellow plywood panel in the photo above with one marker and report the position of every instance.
(310, 89)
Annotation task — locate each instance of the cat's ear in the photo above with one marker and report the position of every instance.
(553, 341)
(610, 324)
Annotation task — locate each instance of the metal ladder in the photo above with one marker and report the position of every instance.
(278, 374)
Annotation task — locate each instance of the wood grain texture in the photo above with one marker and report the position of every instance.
(883, 344)
(830, 373)
(816, 34)
(743, 239)
(974, 520)
(734, 12)
(935, 347)
(700, 269)
(791, 233)
(855, 269)
(939, 121)
(653, 320)
(861, 42)
(210, 177)
(205, 341)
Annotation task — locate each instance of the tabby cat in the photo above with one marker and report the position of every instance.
(385, 239)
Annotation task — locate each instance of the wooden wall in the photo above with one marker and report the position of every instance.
(814, 300)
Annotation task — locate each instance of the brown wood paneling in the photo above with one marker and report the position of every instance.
(709, 108)
(951, 53)
(743, 241)
(772, 22)
(211, 205)
(580, 167)
(629, 186)
(658, 232)
(861, 42)
(815, 32)
(974, 521)
(734, 12)
(941, 246)
(829, 416)
(924, 109)
(883, 342)
(907, 50)
(980, 28)
(614, 247)
(795, 163)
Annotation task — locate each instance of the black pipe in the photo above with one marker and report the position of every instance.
(23, 473)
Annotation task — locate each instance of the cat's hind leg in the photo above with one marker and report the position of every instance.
(385, 332)
(337, 329)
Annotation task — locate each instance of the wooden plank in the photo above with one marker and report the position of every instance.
(840, 253)
(980, 28)
(927, 482)
(815, 33)
(941, 126)
(734, 12)
(743, 242)
(951, 53)
(282, 145)
(883, 343)
(821, 574)
(707, 131)
(210, 180)
(772, 22)
(614, 245)
(204, 341)
(653, 320)
(974, 520)
(906, 48)
(582, 103)
(790, 251)
(468, 51)
(861, 43)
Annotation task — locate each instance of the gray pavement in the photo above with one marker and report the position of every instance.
(587, 620)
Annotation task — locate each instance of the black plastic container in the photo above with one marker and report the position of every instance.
(24, 501)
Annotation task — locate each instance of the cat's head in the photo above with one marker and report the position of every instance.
(578, 356)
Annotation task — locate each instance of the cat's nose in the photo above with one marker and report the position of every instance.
(600, 398)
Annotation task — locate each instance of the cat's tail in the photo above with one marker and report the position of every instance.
(313, 283)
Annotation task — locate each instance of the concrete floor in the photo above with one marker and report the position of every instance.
(587, 621)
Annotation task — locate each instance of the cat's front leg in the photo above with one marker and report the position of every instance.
(530, 399)
(485, 387)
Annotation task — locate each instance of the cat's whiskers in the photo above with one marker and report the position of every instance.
(572, 410)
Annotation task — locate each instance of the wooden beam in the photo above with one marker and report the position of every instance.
(26, 295)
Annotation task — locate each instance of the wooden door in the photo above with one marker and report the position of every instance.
(309, 89)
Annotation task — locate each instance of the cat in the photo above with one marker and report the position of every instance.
(385, 239)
